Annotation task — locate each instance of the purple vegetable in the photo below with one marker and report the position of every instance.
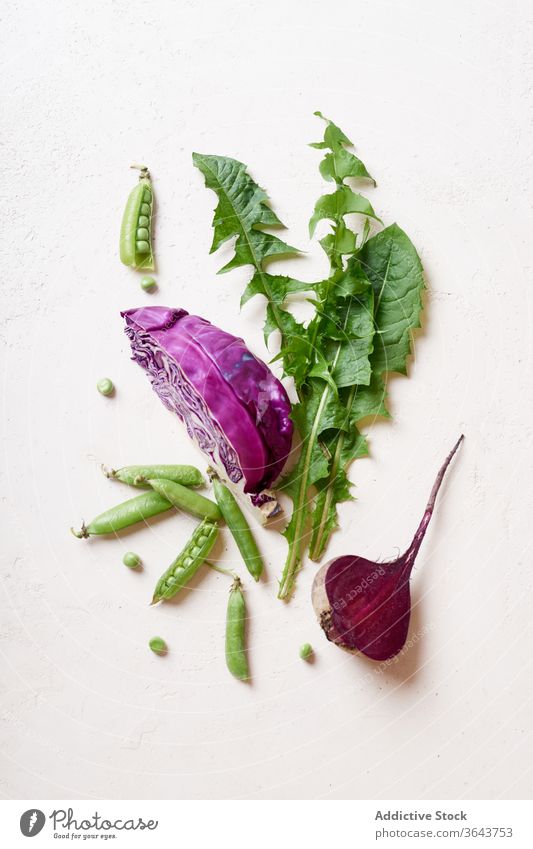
(365, 606)
(231, 403)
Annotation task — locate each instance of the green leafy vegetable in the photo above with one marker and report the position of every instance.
(339, 203)
(393, 267)
(243, 211)
(364, 314)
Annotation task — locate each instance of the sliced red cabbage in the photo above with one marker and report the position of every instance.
(232, 405)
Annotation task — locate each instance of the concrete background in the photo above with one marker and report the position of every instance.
(437, 97)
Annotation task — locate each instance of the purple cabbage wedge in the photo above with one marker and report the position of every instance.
(232, 405)
(365, 606)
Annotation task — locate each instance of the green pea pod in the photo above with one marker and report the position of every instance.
(140, 475)
(123, 515)
(239, 527)
(136, 230)
(186, 499)
(188, 561)
(236, 659)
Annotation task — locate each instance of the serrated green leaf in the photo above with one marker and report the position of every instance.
(351, 362)
(350, 318)
(269, 217)
(394, 269)
(284, 321)
(347, 327)
(351, 281)
(271, 323)
(242, 212)
(242, 204)
(333, 135)
(340, 163)
(321, 369)
(254, 248)
(340, 243)
(368, 401)
(341, 202)
(366, 232)
(275, 287)
(351, 359)
(296, 350)
(332, 492)
(321, 412)
(392, 265)
(256, 286)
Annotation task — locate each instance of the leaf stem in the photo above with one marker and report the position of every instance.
(292, 564)
(318, 540)
(294, 556)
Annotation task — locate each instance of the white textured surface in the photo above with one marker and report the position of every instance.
(438, 99)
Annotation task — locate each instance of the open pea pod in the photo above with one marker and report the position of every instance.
(188, 561)
(136, 248)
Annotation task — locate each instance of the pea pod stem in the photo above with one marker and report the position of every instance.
(145, 174)
(222, 571)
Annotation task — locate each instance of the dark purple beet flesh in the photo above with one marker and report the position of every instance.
(367, 605)
(370, 605)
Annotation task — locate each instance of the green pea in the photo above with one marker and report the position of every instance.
(142, 247)
(147, 196)
(105, 386)
(148, 284)
(187, 561)
(131, 560)
(142, 233)
(158, 645)
(143, 221)
(306, 650)
(145, 209)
